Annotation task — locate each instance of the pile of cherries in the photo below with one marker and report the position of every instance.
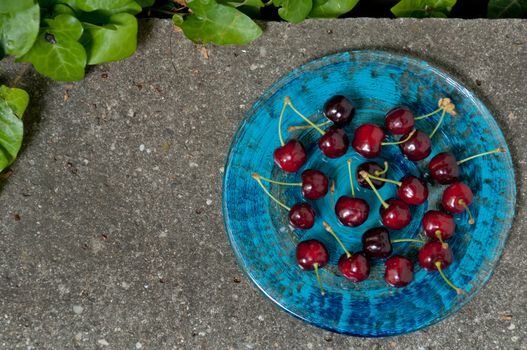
(395, 213)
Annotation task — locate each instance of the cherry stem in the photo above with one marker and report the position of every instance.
(428, 115)
(276, 182)
(287, 101)
(438, 124)
(280, 123)
(298, 127)
(450, 284)
(497, 150)
(366, 177)
(398, 183)
(332, 191)
(257, 178)
(383, 171)
(408, 240)
(351, 179)
(400, 141)
(330, 230)
(315, 266)
(440, 238)
(470, 217)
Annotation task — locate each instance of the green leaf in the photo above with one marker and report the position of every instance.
(15, 5)
(57, 52)
(250, 7)
(16, 99)
(111, 42)
(145, 3)
(211, 22)
(294, 11)
(423, 8)
(331, 8)
(18, 30)
(94, 5)
(62, 9)
(507, 8)
(11, 133)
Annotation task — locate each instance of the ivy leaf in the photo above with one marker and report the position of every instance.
(211, 22)
(15, 5)
(294, 11)
(18, 30)
(62, 9)
(11, 133)
(507, 8)
(423, 8)
(250, 7)
(145, 3)
(110, 42)
(331, 8)
(57, 52)
(94, 5)
(16, 99)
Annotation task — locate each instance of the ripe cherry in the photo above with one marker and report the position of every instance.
(444, 168)
(314, 184)
(434, 256)
(352, 211)
(374, 169)
(302, 216)
(339, 110)
(438, 225)
(417, 146)
(399, 121)
(456, 199)
(376, 243)
(290, 156)
(368, 140)
(312, 254)
(399, 271)
(334, 143)
(412, 190)
(355, 267)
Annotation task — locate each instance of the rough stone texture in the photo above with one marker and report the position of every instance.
(111, 230)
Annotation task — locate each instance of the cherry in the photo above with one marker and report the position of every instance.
(434, 256)
(352, 211)
(312, 254)
(417, 146)
(339, 110)
(374, 169)
(399, 271)
(368, 139)
(376, 243)
(444, 168)
(302, 216)
(314, 184)
(355, 267)
(456, 199)
(438, 225)
(334, 143)
(290, 156)
(396, 215)
(399, 121)
(412, 190)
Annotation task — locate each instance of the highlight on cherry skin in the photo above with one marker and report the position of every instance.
(314, 183)
(339, 110)
(438, 225)
(372, 168)
(312, 255)
(351, 211)
(368, 140)
(434, 256)
(376, 243)
(410, 189)
(456, 199)
(399, 271)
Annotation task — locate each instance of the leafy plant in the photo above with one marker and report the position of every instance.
(13, 103)
(507, 8)
(423, 8)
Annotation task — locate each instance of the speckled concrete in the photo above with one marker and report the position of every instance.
(111, 231)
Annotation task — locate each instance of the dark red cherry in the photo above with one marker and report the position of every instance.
(412, 190)
(418, 147)
(356, 268)
(433, 252)
(352, 211)
(399, 271)
(291, 156)
(457, 197)
(444, 168)
(339, 110)
(314, 184)
(438, 223)
(376, 243)
(397, 215)
(368, 140)
(311, 252)
(399, 121)
(334, 143)
(302, 216)
(371, 168)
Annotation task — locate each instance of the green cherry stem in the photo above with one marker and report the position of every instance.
(398, 183)
(330, 230)
(288, 102)
(440, 238)
(383, 171)
(408, 240)
(400, 141)
(332, 192)
(276, 182)
(470, 217)
(280, 124)
(428, 115)
(257, 178)
(366, 177)
(438, 124)
(315, 266)
(298, 127)
(497, 150)
(351, 179)
(450, 284)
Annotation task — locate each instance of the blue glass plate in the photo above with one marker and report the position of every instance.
(264, 243)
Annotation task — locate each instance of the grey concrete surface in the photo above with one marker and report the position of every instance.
(111, 232)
